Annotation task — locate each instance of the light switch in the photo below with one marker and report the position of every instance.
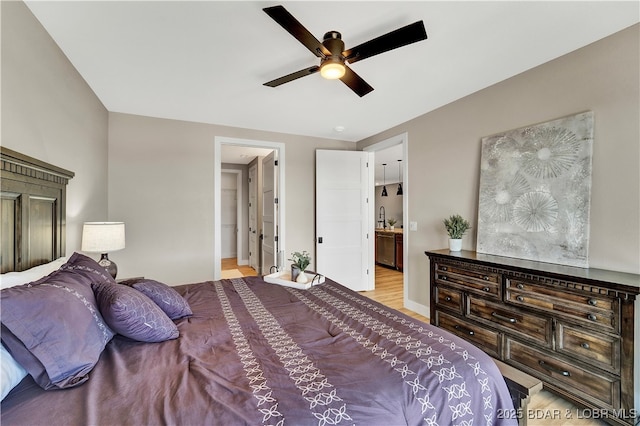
(413, 226)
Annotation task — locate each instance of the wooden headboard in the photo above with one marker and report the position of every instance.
(33, 212)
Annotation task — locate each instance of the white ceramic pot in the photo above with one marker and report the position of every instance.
(302, 278)
(455, 244)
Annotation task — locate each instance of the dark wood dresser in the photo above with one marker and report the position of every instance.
(573, 328)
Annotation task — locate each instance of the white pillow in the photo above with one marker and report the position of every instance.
(11, 373)
(11, 279)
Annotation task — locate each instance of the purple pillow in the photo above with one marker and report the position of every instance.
(53, 327)
(88, 268)
(167, 298)
(132, 314)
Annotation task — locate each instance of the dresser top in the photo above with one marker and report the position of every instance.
(621, 280)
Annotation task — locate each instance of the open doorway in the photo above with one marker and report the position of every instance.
(245, 159)
(390, 245)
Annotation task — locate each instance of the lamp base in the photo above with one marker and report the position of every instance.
(108, 265)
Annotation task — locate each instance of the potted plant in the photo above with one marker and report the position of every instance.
(392, 222)
(300, 263)
(456, 227)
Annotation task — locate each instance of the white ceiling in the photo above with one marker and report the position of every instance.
(206, 61)
(236, 154)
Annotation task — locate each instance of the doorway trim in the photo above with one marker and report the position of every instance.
(401, 139)
(217, 193)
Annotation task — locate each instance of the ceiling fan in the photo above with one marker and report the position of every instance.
(333, 57)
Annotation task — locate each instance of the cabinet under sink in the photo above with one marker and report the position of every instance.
(386, 249)
(389, 249)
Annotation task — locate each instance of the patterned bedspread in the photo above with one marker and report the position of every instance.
(262, 354)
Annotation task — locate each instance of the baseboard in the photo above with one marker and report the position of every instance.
(243, 261)
(417, 307)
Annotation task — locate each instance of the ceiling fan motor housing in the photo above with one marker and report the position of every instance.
(332, 66)
(334, 44)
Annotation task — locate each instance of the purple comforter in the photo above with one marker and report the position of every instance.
(261, 354)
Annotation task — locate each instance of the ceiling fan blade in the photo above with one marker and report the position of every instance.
(296, 29)
(355, 82)
(397, 38)
(293, 76)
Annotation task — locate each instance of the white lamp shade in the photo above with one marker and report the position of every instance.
(102, 237)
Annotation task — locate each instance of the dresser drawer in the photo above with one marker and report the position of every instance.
(600, 350)
(525, 324)
(473, 279)
(573, 328)
(486, 339)
(592, 309)
(449, 298)
(599, 388)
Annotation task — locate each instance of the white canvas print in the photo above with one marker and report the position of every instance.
(535, 192)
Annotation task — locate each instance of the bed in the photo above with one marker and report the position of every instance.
(236, 351)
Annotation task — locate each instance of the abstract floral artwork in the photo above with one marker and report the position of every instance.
(535, 192)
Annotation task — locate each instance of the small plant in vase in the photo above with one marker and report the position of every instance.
(300, 263)
(456, 227)
(392, 223)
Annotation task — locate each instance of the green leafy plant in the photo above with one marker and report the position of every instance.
(301, 260)
(456, 226)
(391, 221)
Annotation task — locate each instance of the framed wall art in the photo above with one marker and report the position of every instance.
(535, 192)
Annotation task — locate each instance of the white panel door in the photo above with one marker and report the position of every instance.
(254, 247)
(269, 214)
(344, 186)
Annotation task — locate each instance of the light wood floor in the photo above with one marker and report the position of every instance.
(232, 263)
(545, 408)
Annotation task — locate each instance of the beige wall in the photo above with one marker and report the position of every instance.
(444, 150)
(159, 178)
(161, 184)
(50, 113)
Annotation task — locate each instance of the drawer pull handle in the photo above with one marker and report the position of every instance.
(486, 289)
(503, 318)
(486, 278)
(520, 287)
(553, 369)
(592, 302)
(443, 277)
(464, 330)
(448, 298)
(520, 299)
(592, 317)
(585, 345)
(444, 268)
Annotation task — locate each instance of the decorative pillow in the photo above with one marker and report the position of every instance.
(53, 327)
(11, 373)
(88, 268)
(132, 314)
(166, 297)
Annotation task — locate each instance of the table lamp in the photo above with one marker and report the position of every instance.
(103, 237)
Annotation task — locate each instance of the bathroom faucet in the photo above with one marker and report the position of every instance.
(381, 215)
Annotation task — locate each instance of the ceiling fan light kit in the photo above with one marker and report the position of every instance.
(332, 69)
(333, 57)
